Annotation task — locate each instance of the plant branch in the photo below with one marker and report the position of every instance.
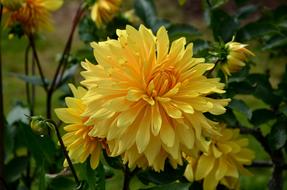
(26, 68)
(35, 55)
(2, 119)
(63, 61)
(276, 181)
(65, 151)
(127, 178)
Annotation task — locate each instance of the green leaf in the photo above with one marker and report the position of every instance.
(240, 106)
(15, 168)
(172, 186)
(88, 31)
(262, 116)
(114, 162)
(255, 30)
(263, 89)
(223, 25)
(276, 42)
(246, 11)
(34, 80)
(167, 176)
(95, 178)
(217, 3)
(146, 10)
(42, 148)
(176, 31)
(60, 183)
(278, 135)
(18, 113)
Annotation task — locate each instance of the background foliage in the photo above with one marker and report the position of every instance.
(259, 91)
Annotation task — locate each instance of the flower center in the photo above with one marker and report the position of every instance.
(161, 81)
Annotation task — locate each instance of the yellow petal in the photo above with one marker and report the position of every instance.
(204, 166)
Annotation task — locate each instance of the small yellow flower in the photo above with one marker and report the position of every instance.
(103, 11)
(237, 55)
(223, 162)
(32, 15)
(79, 144)
(149, 98)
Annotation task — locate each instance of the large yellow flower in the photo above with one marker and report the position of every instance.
(103, 11)
(148, 97)
(32, 14)
(79, 144)
(222, 163)
(237, 55)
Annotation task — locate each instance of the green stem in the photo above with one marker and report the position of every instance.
(2, 119)
(63, 62)
(65, 151)
(37, 61)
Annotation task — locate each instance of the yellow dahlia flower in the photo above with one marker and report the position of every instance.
(222, 163)
(149, 97)
(103, 11)
(79, 144)
(237, 55)
(32, 14)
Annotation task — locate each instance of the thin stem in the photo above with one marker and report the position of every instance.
(63, 61)
(65, 152)
(2, 119)
(276, 181)
(33, 94)
(35, 55)
(127, 178)
(26, 65)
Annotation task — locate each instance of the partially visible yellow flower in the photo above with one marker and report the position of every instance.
(237, 55)
(79, 144)
(148, 97)
(103, 11)
(32, 15)
(223, 162)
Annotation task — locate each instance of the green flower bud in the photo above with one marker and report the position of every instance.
(39, 125)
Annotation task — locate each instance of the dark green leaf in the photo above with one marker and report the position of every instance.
(255, 30)
(145, 9)
(246, 11)
(172, 186)
(200, 48)
(263, 89)
(276, 42)
(42, 147)
(262, 116)
(88, 31)
(223, 25)
(95, 178)
(61, 183)
(15, 168)
(167, 176)
(278, 135)
(240, 106)
(18, 113)
(176, 31)
(114, 162)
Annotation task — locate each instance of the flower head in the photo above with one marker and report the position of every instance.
(222, 163)
(103, 11)
(79, 144)
(149, 98)
(237, 55)
(32, 14)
